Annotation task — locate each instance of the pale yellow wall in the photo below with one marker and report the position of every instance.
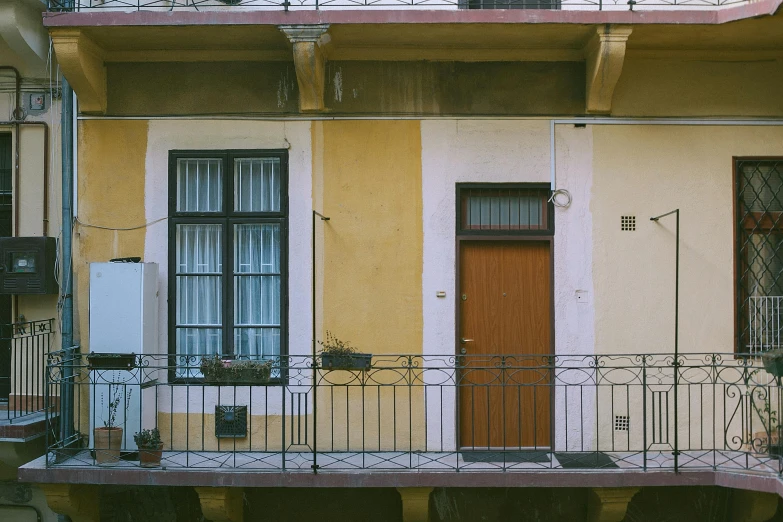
(373, 251)
(111, 194)
(645, 171)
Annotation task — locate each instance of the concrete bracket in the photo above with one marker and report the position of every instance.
(308, 43)
(221, 504)
(415, 504)
(609, 504)
(82, 63)
(21, 29)
(753, 506)
(79, 502)
(604, 54)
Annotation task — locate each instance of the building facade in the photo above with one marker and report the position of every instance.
(29, 217)
(466, 195)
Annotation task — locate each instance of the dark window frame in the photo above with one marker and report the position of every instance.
(548, 210)
(746, 223)
(227, 218)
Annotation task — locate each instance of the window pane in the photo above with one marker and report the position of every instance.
(199, 185)
(199, 249)
(257, 342)
(760, 264)
(199, 341)
(257, 248)
(762, 190)
(503, 209)
(257, 300)
(199, 288)
(257, 185)
(199, 300)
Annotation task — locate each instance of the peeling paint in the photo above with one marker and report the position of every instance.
(338, 86)
(283, 90)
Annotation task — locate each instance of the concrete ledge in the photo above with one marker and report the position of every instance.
(36, 471)
(414, 16)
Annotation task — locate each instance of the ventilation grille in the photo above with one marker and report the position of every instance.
(231, 422)
(622, 423)
(628, 223)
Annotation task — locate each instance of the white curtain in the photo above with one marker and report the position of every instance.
(257, 185)
(199, 185)
(257, 290)
(199, 283)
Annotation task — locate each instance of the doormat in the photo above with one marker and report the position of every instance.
(590, 460)
(505, 456)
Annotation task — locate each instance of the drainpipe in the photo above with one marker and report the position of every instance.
(66, 292)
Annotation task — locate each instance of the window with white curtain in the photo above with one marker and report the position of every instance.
(227, 254)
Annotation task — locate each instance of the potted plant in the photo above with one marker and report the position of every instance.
(340, 355)
(245, 371)
(773, 362)
(150, 447)
(108, 438)
(769, 440)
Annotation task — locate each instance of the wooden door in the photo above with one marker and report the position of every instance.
(505, 328)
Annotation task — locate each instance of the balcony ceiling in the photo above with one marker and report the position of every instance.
(426, 35)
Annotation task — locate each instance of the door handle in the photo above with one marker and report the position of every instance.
(463, 340)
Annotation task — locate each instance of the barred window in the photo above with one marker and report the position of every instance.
(759, 204)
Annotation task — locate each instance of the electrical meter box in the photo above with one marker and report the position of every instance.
(27, 265)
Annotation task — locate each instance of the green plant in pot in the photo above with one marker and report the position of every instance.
(150, 447)
(773, 362)
(340, 355)
(108, 438)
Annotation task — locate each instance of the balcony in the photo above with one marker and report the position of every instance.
(414, 414)
(294, 5)
(23, 350)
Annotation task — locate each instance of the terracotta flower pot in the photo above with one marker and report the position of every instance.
(150, 457)
(108, 442)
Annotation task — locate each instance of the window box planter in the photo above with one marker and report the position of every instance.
(111, 361)
(354, 361)
(228, 372)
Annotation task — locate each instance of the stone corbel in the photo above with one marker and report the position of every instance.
(753, 506)
(309, 62)
(609, 504)
(81, 61)
(604, 54)
(415, 504)
(221, 504)
(21, 29)
(79, 502)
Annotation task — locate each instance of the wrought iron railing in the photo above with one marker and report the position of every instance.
(434, 413)
(292, 5)
(23, 350)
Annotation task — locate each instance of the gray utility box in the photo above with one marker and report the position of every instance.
(27, 265)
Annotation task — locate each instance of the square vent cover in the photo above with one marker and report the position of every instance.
(231, 422)
(628, 223)
(622, 423)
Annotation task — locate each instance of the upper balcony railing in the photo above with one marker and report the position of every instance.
(430, 412)
(292, 5)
